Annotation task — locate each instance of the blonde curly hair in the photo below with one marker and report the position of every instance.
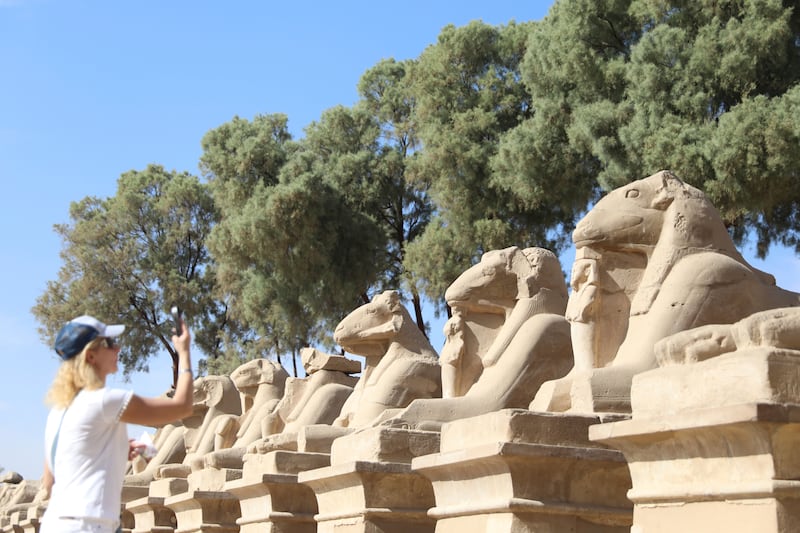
(73, 375)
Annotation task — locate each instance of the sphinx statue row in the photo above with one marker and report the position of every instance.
(656, 281)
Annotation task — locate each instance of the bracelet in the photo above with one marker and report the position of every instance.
(182, 370)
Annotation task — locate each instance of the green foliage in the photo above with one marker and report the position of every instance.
(704, 88)
(404, 208)
(128, 258)
(241, 160)
(309, 229)
(297, 251)
(240, 155)
(477, 154)
(494, 136)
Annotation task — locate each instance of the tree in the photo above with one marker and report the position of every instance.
(708, 89)
(293, 253)
(404, 206)
(309, 229)
(129, 257)
(240, 160)
(362, 153)
(468, 98)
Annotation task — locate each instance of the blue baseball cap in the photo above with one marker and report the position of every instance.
(79, 332)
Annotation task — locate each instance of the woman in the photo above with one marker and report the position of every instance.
(86, 436)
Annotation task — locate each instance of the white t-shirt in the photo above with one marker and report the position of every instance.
(91, 455)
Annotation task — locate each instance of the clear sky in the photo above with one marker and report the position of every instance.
(90, 89)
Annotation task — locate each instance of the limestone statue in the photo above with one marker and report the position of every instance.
(260, 383)
(400, 364)
(459, 370)
(9, 485)
(658, 249)
(753, 361)
(316, 399)
(20, 496)
(773, 328)
(524, 294)
(168, 441)
(213, 396)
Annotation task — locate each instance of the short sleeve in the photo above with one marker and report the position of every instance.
(115, 401)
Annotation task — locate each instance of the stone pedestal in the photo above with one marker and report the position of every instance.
(15, 520)
(519, 471)
(270, 498)
(23, 518)
(30, 524)
(150, 515)
(133, 492)
(370, 486)
(206, 506)
(205, 512)
(720, 455)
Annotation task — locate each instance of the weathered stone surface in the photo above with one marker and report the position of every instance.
(11, 478)
(202, 511)
(518, 471)
(315, 360)
(400, 364)
(731, 468)
(271, 498)
(274, 503)
(660, 261)
(506, 337)
(712, 441)
(164, 488)
(150, 514)
(362, 497)
(383, 445)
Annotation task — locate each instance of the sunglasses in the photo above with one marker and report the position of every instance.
(108, 342)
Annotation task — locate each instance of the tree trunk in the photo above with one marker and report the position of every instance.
(418, 313)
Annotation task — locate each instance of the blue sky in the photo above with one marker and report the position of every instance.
(91, 89)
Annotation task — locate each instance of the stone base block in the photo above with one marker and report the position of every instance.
(164, 488)
(384, 445)
(519, 471)
(367, 497)
(29, 525)
(758, 515)
(205, 512)
(282, 462)
(151, 515)
(134, 492)
(270, 497)
(733, 468)
(275, 503)
(15, 520)
(522, 520)
(30, 522)
(755, 375)
(126, 520)
(212, 479)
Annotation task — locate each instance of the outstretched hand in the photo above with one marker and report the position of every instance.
(135, 449)
(182, 341)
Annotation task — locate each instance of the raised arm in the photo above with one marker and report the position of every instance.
(47, 482)
(162, 410)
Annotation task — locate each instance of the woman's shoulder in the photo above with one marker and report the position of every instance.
(104, 395)
(109, 401)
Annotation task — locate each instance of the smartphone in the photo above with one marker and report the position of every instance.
(176, 318)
